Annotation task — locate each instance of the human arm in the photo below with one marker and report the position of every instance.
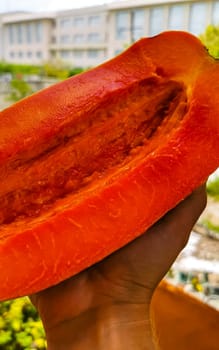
(107, 306)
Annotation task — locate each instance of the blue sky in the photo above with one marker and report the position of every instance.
(45, 5)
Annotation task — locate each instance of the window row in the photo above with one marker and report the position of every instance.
(81, 38)
(130, 23)
(31, 32)
(194, 18)
(65, 54)
(80, 21)
(28, 54)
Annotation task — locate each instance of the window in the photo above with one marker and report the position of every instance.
(78, 38)
(29, 54)
(122, 33)
(198, 17)
(20, 54)
(29, 32)
(138, 20)
(78, 21)
(11, 54)
(78, 54)
(215, 13)
(39, 31)
(39, 54)
(118, 51)
(176, 17)
(11, 33)
(122, 25)
(19, 34)
(65, 39)
(156, 20)
(93, 53)
(65, 22)
(94, 20)
(53, 39)
(65, 54)
(94, 37)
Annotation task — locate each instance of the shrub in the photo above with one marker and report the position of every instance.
(75, 71)
(19, 89)
(211, 226)
(55, 69)
(210, 39)
(20, 326)
(14, 69)
(213, 187)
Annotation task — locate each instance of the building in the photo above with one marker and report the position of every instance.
(81, 36)
(88, 36)
(133, 19)
(27, 37)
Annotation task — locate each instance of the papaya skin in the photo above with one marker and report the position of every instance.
(89, 164)
(173, 309)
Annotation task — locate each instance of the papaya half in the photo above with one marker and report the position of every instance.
(90, 163)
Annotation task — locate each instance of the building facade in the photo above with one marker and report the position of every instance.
(88, 36)
(81, 36)
(27, 37)
(133, 19)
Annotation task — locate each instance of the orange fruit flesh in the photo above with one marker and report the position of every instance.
(127, 125)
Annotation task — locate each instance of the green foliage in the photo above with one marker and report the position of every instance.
(55, 69)
(19, 89)
(20, 326)
(14, 69)
(75, 71)
(213, 187)
(211, 226)
(210, 39)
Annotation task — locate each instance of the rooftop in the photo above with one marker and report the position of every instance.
(141, 3)
(27, 16)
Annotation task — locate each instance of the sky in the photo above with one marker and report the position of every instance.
(46, 5)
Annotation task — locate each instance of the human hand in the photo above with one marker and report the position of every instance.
(107, 305)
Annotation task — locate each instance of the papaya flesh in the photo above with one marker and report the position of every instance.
(90, 163)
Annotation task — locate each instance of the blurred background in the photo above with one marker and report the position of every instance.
(45, 41)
